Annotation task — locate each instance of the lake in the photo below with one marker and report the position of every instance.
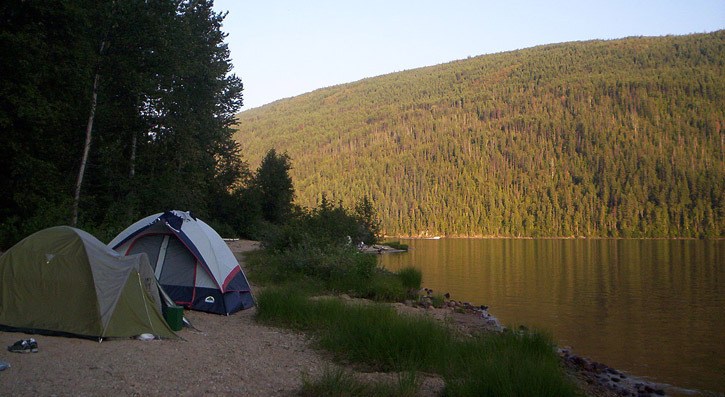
(652, 308)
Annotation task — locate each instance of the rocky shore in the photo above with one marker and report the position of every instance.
(378, 249)
(595, 378)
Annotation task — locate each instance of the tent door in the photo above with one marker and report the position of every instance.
(162, 256)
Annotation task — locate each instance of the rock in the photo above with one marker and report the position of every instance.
(580, 362)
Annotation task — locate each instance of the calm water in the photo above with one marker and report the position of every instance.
(653, 308)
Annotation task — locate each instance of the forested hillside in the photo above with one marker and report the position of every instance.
(618, 138)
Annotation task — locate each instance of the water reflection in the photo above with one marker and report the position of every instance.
(655, 308)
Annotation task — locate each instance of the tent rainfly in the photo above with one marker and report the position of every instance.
(192, 262)
(62, 280)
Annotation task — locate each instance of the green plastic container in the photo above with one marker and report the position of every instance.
(174, 315)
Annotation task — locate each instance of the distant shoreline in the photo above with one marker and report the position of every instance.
(482, 237)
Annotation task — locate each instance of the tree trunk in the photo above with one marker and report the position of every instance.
(132, 168)
(86, 150)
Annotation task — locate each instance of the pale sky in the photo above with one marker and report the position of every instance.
(284, 48)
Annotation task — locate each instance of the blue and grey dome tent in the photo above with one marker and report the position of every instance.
(192, 262)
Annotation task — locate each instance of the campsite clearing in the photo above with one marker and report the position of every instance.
(229, 355)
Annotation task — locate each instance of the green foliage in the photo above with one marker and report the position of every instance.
(336, 269)
(506, 364)
(616, 138)
(289, 308)
(341, 383)
(274, 186)
(161, 136)
(496, 364)
(334, 225)
(322, 227)
(411, 278)
(367, 218)
(437, 301)
(384, 287)
(316, 250)
(378, 336)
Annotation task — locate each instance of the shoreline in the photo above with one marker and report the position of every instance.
(493, 237)
(597, 379)
(69, 365)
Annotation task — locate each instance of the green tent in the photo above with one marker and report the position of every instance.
(63, 280)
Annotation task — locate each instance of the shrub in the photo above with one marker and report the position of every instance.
(324, 226)
(437, 301)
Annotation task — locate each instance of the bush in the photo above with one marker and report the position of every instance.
(325, 226)
(437, 301)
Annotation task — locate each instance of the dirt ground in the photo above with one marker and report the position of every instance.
(227, 356)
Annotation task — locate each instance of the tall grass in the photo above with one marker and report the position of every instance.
(339, 382)
(506, 364)
(410, 277)
(378, 336)
(496, 364)
(333, 270)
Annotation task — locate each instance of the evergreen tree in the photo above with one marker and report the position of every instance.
(367, 220)
(623, 140)
(161, 135)
(274, 186)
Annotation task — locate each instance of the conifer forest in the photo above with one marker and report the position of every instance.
(617, 138)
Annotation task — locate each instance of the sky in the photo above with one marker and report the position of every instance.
(284, 48)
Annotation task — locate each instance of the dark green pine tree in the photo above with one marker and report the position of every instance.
(160, 136)
(368, 221)
(274, 186)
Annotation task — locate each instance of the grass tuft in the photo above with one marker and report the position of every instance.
(341, 383)
(410, 277)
